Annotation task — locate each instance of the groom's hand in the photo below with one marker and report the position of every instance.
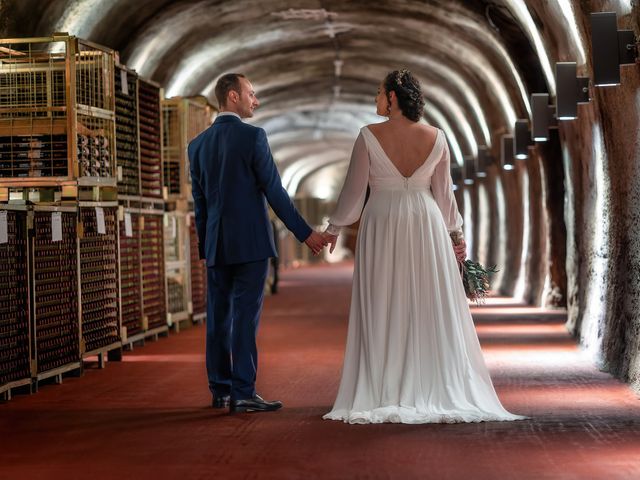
(330, 240)
(315, 242)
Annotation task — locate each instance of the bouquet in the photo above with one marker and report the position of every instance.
(475, 277)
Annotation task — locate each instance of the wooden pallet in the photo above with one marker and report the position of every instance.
(141, 338)
(199, 318)
(7, 388)
(176, 319)
(113, 352)
(57, 374)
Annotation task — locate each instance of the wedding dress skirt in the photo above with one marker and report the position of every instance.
(412, 353)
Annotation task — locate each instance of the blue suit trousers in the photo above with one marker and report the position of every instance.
(235, 295)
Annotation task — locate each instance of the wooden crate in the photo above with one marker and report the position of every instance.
(57, 118)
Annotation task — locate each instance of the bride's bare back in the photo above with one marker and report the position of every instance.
(406, 144)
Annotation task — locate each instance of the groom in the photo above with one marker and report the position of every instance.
(232, 173)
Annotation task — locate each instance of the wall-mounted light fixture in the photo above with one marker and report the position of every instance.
(506, 152)
(521, 139)
(482, 161)
(610, 48)
(543, 117)
(570, 90)
(469, 170)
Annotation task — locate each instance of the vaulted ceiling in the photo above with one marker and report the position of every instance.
(316, 64)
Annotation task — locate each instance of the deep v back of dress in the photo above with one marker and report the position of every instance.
(381, 166)
(382, 154)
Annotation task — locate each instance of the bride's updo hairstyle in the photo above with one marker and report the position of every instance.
(408, 91)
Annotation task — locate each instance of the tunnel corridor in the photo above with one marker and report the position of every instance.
(559, 220)
(539, 102)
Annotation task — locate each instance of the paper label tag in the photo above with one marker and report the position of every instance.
(56, 226)
(124, 82)
(4, 227)
(102, 229)
(128, 228)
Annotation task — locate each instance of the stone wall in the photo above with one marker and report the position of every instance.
(600, 153)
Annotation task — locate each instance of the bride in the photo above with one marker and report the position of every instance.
(412, 352)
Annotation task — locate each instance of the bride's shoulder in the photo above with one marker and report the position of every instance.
(429, 133)
(374, 127)
(428, 129)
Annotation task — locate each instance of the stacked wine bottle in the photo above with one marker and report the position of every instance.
(150, 153)
(131, 289)
(127, 132)
(56, 291)
(198, 273)
(153, 291)
(99, 274)
(94, 159)
(14, 300)
(33, 156)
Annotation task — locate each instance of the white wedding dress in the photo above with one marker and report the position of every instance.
(412, 353)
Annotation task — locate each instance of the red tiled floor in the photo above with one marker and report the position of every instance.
(148, 416)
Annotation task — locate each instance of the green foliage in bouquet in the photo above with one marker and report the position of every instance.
(475, 279)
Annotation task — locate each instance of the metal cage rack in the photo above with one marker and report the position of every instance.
(183, 120)
(150, 125)
(55, 289)
(154, 301)
(176, 250)
(94, 260)
(65, 272)
(130, 268)
(15, 321)
(57, 119)
(198, 274)
(99, 277)
(142, 270)
(127, 131)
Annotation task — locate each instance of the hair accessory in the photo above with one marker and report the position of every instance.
(399, 76)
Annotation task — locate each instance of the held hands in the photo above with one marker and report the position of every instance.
(330, 240)
(317, 241)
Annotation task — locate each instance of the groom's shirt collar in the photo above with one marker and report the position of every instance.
(234, 114)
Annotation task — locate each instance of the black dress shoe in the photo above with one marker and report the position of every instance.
(221, 402)
(255, 404)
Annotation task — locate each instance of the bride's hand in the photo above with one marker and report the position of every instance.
(330, 240)
(461, 251)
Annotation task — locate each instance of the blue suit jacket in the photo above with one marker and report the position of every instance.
(232, 172)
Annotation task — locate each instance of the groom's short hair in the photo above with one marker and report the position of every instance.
(226, 83)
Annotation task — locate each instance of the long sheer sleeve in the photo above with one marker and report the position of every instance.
(354, 190)
(442, 189)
